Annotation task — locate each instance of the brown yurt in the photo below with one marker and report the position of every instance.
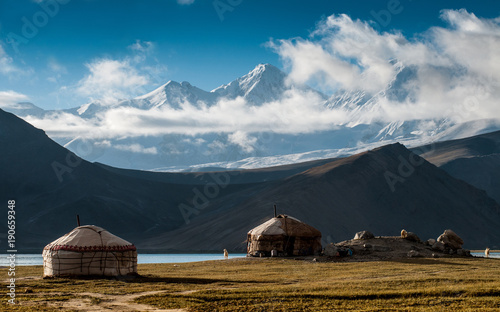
(89, 250)
(283, 236)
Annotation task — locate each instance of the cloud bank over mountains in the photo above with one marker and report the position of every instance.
(447, 72)
(456, 68)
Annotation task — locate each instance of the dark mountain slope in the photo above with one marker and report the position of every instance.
(476, 160)
(482, 171)
(353, 194)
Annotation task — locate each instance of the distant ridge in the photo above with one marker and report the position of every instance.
(380, 190)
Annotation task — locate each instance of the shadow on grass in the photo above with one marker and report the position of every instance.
(427, 261)
(138, 279)
(187, 280)
(229, 296)
(220, 297)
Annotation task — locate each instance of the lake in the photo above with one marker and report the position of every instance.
(36, 259)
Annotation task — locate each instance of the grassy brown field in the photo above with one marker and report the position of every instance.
(444, 284)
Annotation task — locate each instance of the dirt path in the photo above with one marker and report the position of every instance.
(119, 302)
(113, 303)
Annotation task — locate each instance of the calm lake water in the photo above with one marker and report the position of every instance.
(36, 259)
(481, 254)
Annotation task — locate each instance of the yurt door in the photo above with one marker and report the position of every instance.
(289, 244)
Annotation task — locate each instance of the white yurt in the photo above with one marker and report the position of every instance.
(89, 250)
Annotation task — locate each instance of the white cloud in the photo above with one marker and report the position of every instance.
(137, 148)
(103, 143)
(242, 139)
(472, 43)
(56, 67)
(110, 80)
(342, 53)
(142, 46)
(66, 125)
(141, 50)
(56, 70)
(310, 61)
(10, 99)
(7, 66)
(298, 111)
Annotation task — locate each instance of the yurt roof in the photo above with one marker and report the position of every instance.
(90, 238)
(285, 225)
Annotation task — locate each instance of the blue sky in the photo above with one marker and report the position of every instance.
(208, 43)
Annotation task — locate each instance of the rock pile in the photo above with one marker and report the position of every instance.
(451, 239)
(449, 242)
(365, 246)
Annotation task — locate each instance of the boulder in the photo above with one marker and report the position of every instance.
(364, 235)
(438, 246)
(331, 250)
(451, 239)
(403, 233)
(412, 237)
(430, 242)
(413, 254)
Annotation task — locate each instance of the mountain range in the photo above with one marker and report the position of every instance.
(265, 147)
(382, 190)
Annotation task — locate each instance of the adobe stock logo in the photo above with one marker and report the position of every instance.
(201, 200)
(406, 168)
(384, 17)
(31, 26)
(223, 6)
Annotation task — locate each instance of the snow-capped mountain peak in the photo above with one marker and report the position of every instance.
(263, 81)
(262, 72)
(263, 84)
(173, 94)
